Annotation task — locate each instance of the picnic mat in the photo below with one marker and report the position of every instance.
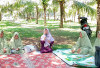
(72, 59)
(32, 60)
(12, 61)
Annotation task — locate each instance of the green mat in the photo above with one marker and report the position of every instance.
(71, 59)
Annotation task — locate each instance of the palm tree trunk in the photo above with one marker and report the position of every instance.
(37, 15)
(54, 13)
(48, 16)
(98, 16)
(27, 16)
(45, 16)
(64, 13)
(61, 13)
(0, 16)
(78, 16)
(74, 18)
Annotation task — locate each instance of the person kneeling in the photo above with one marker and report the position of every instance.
(46, 41)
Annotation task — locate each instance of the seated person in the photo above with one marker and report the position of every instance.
(97, 42)
(83, 45)
(16, 44)
(4, 48)
(46, 41)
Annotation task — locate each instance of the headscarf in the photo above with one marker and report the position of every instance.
(48, 37)
(3, 44)
(84, 44)
(97, 42)
(16, 43)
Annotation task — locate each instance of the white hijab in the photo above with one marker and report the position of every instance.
(48, 37)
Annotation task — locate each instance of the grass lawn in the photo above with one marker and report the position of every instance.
(64, 37)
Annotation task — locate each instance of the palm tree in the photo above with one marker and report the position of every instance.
(37, 14)
(55, 7)
(72, 12)
(82, 7)
(0, 12)
(61, 2)
(45, 4)
(29, 9)
(98, 16)
(49, 11)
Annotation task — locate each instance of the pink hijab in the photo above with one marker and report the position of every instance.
(48, 37)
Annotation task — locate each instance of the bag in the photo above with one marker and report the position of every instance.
(97, 56)
(30, 48)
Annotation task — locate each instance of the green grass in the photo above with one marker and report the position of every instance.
(24, 32)
(8, 23)
(54, 28)
(61, 47)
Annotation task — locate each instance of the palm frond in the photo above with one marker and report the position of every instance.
(83, 7)
(93, 2)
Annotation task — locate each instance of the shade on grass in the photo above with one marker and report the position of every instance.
(24, 32)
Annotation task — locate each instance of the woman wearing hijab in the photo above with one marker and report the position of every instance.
(83, 45)
(16, 44)
(4, 48)
(97, 42)
(46, 41)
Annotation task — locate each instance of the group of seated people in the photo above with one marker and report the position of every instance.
(15, 46)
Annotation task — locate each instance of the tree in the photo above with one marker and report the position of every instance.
(64, 13)
(72, 13)
(45, 4)
(61, 2)
(82, 7)
(55, 7)
(49, 11)
(37, 14)
(29, 9)
(98, 16)
(12, 7)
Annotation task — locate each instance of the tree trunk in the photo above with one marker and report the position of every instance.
(64, 13)
(61, 13)
(0, 16)
(78, 16)
(45, 16)
(98, 16)
(48, 16)
(74, 18)
(37, 15)
(27, 17)
(54, 13)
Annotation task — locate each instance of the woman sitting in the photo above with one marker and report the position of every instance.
(4, 48)
(46, 41)
(16, 44)
(97, 42)
(83, 45)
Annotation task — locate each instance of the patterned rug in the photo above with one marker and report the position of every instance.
(12, 61)
(75, 59)
(32, 60)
